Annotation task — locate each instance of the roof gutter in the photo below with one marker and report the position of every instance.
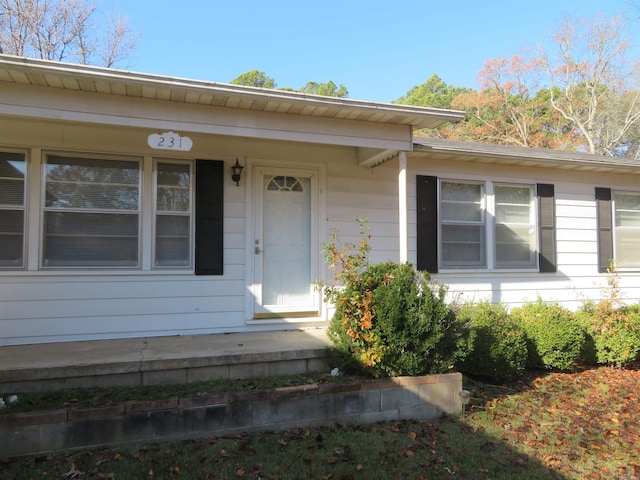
(43, 67)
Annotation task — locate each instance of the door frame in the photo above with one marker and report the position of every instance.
(254, 167)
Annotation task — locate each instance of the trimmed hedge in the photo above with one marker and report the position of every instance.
(499, 350)
(555, 339)
(614, 333)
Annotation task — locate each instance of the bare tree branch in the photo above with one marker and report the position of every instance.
(64, 30)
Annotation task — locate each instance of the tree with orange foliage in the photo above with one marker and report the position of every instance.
(509, 110)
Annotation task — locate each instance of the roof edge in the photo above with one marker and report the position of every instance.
(93, 72)
(524, 154)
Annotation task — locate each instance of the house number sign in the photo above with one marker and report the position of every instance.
(169, 141)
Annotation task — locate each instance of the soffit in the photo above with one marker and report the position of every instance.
(83, 78)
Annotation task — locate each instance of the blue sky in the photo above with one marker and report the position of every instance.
(377, 49)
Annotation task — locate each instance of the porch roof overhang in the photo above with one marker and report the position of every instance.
(529, 157)
(209, 107)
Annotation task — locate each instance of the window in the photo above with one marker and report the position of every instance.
(462, 211)
(173, 215)
(12, 211)
(100, 213)
(618, 221)
(91, 212)
(515, 240)
(627, 229)
(484, 225)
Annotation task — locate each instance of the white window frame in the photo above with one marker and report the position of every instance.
(488, 205)
(635, 263)
(22, 208)
(44, 209)
(186, 213)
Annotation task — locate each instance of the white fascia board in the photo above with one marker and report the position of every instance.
(97, 108)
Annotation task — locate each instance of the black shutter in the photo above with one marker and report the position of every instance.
(605, 228)
(209, 217)
(427, 223)
(547, 257)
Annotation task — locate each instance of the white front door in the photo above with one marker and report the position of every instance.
(285, 244)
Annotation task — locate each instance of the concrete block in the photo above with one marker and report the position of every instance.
(326, 409)
(33, 418)
(160, 377)
(20, 441)
(380, 416)
(165, 423)
(443, 395)
(248, 370)
(288, 367)
(219, 420)
(395, 398)
(94, 432)
(419, 412)
(150, 405)
(52, 437)
(318, 365)
(138, 426)
(95, 412)
(357, 402)
(204, 374)
(272, 413)
(204, 400)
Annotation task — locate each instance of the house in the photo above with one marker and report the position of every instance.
(121, 214)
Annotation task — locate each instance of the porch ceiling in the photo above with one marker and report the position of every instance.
(43, 73)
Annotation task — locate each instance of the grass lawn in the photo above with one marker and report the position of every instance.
(577, 426)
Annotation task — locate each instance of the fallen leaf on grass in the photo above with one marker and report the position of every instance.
(73, 472)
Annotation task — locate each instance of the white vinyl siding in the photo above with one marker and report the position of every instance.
(91, 212)
(12, 209)
(627, 229)
(173, 206)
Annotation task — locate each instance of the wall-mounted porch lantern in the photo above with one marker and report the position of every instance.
(237, 171)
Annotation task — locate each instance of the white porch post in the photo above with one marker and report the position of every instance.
(402, 207)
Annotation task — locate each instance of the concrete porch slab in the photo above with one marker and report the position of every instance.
(155, 360)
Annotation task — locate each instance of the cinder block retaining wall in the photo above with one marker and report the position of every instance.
(215, 415)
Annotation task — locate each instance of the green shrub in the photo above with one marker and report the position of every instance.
(612, 328)
(417, 327)
(555, 339)
(389, 319)
(499, 350)
(614, 332)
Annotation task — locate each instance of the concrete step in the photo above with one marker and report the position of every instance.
(161, 360)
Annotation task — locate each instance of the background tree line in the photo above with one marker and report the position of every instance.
(581, 94)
